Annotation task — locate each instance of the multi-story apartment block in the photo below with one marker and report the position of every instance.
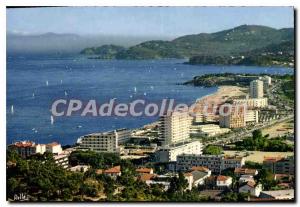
(27, 148)
(216, 163)
(280, 165)
(252, 102)
(251, 116)
(174, 127)
(105, 141)
(256, 89)
(54, 148)
(208, 130)
(62, 159)
(232, 162)
(170, 153)
(267, 81)
(235, 118)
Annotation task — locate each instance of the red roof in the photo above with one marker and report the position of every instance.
(116, 169)
(53, 144)
(144, 170)
(222, 178)
(188, 174)
(272, 159)
(200, 168)
(145, 177)
(244, 171)
(24, 144)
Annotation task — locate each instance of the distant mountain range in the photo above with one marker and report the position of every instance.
(244, 45)
(65, 43)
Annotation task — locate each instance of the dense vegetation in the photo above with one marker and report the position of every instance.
(262, 143)
(212, 150)
(274, 54)
(40, 179)
(224, 47)
(94, 159)
(104, 51)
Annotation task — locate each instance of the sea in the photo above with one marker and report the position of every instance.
(34, 82)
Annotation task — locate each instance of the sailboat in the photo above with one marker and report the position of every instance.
(135, 89)
(52, 120)
(66, 93)
(47, 83)
(12, 109)
(33, 95)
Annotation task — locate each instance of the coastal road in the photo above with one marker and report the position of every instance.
(242, 135)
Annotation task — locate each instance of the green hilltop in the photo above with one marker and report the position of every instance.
(245, 44)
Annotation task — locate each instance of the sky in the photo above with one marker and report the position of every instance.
(143, 21)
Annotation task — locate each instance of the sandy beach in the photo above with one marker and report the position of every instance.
(223, 93)
(208, 103)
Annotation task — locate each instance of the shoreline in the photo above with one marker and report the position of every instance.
(222, 94)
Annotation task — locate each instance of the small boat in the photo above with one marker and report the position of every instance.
(47, 83)
(145, 94)
(52, 120)
(135, 89)
(33, 95)
(66, 93)
(79, 126)
(12, 109)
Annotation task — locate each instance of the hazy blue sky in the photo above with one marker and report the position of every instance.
(141, 21)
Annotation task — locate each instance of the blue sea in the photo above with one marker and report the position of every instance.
(35, 82)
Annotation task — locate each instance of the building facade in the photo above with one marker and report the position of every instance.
(215, 163)
(251, 116)
(105, 141)
(252, 102)
(235, 118)
(174, 127)
(279, 165)
(208, 130)
(256, 89)
(170, 153)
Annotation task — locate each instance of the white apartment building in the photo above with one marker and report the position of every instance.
(104, 141)
(233, 119)
(54, 148)
(251, 116)
(216, 163)
(256, 89)
(170, 153)
(208, 130)
(27, 148)
(224, 181)
(252, 188)
(267, 80)
(62, 159)
(174, 127)
(252, 102)
(99, 142)
(123, 135)
(187, 161)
